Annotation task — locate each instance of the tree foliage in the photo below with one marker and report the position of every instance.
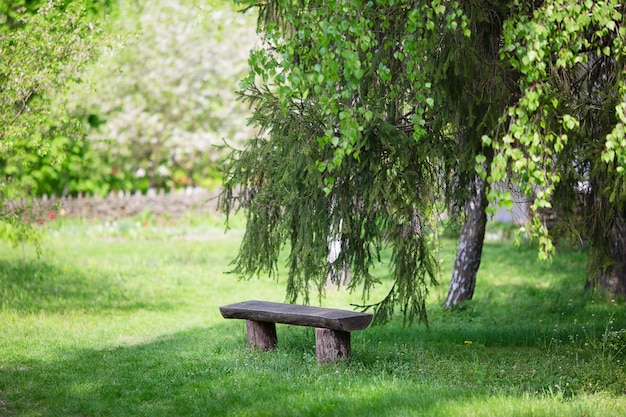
(163, 103)
(343, 99)
(566, 123)
(565, 137)
(12, 11)
(43, 52)
(373, 114)
(151, 109)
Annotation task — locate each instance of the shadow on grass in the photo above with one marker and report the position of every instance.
(207, 372)
(37, 286)
(210, 372)
(190, 374)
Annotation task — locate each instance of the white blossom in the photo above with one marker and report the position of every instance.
(169, 95)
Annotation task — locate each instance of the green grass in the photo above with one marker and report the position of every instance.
(123, 320)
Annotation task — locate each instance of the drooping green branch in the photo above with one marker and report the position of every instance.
(346, 151)
(555, 48)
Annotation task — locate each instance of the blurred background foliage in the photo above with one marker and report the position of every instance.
(143, 101)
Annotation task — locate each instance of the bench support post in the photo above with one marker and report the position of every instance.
(332, 345)
(261, 335)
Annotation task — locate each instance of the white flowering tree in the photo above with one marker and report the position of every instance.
(164, 102)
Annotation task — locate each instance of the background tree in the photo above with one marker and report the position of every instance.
(564, 137)
(472, 86)
(162, 104)
(169, 78)
(13, 11)
(43, 52)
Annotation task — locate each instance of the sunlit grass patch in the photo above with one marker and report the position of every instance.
(128, 325)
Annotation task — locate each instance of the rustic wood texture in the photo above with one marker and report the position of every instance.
(300, 315)
(332, 345)
(261, 335)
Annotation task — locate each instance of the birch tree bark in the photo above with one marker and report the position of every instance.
(337, 275)
(470, 247)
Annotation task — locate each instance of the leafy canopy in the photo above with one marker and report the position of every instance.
(367, 112)
(568, 122)
(341, 94)
(43, 52)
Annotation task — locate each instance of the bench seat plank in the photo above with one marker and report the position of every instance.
(300, 315)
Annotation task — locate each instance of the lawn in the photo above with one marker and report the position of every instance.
(122, 319)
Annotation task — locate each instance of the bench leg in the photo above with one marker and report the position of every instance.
(332, 345)
(261, 335)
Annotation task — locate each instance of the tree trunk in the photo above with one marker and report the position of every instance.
(470, 247)
(611, 278)
(337, 275)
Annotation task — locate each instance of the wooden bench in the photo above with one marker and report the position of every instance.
(332, 333)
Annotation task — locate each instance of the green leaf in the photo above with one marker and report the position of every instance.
(506, 200)
(608, 156)
(569, 122)
(611, 25)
